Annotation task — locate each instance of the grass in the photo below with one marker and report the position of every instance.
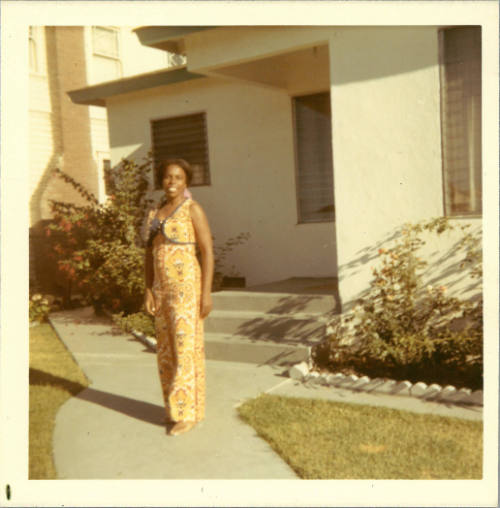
(328, 440)
(54, 378)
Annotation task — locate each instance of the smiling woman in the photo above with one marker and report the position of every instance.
(178, 295)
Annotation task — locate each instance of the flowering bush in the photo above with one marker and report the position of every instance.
(98, 247)
(407, 328)
(39, 308)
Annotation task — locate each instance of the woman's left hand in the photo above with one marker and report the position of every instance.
(206, 305)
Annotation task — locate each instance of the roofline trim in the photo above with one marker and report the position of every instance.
(96, 95)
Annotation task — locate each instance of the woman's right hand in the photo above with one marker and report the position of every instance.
(149, 302)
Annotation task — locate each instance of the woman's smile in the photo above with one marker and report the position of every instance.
(174, 181)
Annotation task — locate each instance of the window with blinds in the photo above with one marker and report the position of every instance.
(461, 119)
(314, 173)
(183, 137)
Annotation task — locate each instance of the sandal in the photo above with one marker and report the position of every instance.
(181, 428)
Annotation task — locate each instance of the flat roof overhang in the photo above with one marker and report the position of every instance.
(168, 38)
(96, 95)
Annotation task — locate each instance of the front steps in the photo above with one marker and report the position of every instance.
(265, 327)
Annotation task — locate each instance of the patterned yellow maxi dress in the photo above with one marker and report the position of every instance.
(179, 328)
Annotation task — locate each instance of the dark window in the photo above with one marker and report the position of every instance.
(461, 119)
(313, 141)
(183, 137)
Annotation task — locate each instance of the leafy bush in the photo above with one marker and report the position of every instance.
(39, 308)
(139, 321)
(98, 247)
(407, 329)
(220, 257)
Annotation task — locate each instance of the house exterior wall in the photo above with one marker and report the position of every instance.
(58, 129)
(211, 49)
(386, 138)
(386, 141)
(64, 62)
(65, 135)
(252, 170)
(386, 135)
(134, 59)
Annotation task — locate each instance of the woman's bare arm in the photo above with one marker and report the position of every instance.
(149, 301)
(204, 240)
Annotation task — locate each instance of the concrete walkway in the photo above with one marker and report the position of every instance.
(114, 429)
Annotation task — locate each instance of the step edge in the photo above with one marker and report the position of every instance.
(252, 313)
(267, 294)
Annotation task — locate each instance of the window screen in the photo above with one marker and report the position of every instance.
(314, 158)
(461, 120)
(182, 137)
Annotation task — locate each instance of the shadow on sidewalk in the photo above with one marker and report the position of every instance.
(145, 411)
(138, 409)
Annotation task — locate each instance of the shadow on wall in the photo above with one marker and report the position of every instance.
(441, 252)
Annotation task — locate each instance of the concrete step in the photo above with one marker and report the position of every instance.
(237, 348)
(293, 329)
(274, 303)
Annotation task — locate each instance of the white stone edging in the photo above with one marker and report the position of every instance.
(148, 341)
(302, 372)
(145, 339)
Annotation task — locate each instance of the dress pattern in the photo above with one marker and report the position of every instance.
(179, 328)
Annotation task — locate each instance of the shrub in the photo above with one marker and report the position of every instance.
(39, 308)
(98, 247)
(220, 259)
(402, 327)
(139, 321)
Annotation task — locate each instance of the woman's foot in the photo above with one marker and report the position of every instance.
(181, 428)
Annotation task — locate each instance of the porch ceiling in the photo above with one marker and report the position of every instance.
(304, 68)
(168, 38)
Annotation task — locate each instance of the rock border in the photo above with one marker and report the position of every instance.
(434, 392)
(148, 341)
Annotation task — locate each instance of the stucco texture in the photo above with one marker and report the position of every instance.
(252, 168)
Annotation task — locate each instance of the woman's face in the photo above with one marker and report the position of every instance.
(174, 181)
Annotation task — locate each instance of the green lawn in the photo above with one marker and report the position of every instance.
(329, 440)
(54, 378)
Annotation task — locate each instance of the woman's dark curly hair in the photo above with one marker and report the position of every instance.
(186, 167)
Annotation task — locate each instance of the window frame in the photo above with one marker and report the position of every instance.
(114, 29)
(299, 221)
(116, 58)
(156, 182)
(442, 98)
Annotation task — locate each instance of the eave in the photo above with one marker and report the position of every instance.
(96, 95)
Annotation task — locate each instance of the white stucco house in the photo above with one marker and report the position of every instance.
(318, 141)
